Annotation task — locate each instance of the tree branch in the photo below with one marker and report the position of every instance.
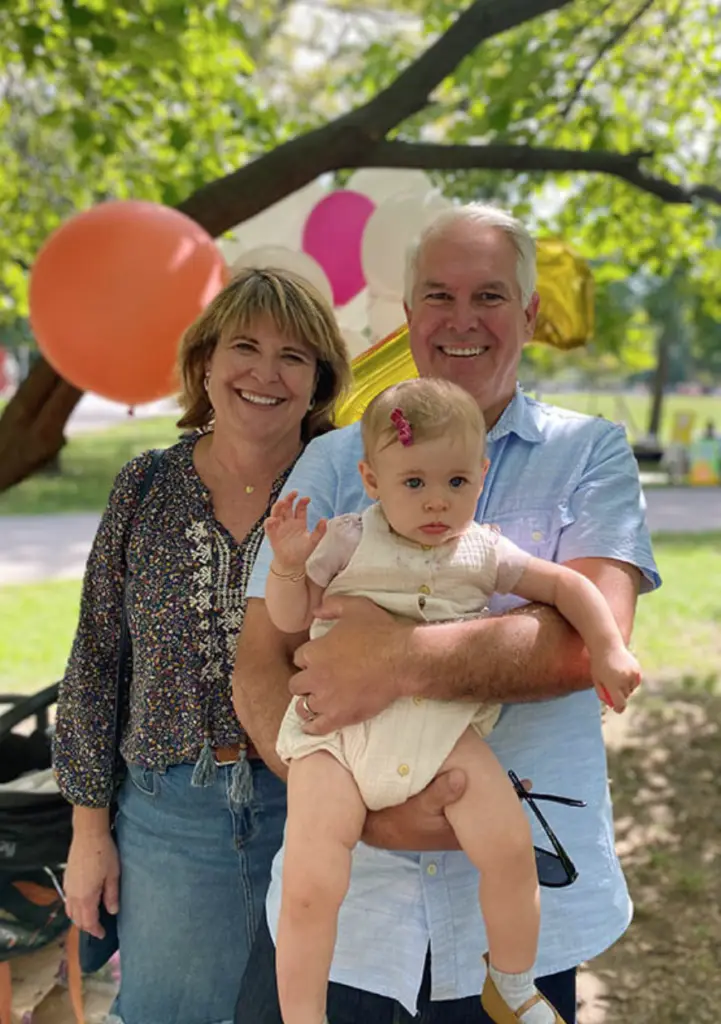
(344, 142)
(438, 157)
(484, 19)
(615, 37)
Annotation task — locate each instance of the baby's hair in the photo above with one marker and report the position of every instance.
(431, 407)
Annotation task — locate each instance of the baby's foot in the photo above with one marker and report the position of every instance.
(513, 997)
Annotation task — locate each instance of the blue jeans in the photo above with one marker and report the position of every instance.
(194, 874)
(258, 999)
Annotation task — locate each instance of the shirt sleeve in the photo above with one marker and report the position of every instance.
(84, 739)
(605, 516)
(335, 550)
(314, 476)
(511, 562)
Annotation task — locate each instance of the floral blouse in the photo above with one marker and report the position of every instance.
(184, 578)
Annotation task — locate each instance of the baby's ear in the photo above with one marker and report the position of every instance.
(370, 481)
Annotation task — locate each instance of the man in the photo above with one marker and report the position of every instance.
(562, 486)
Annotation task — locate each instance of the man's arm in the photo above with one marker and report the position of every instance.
(263, 667)
(528, 654)
(531, 653)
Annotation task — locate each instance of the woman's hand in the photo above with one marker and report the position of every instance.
(287, 530)
(91, 875)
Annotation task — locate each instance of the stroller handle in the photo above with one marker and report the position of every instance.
(24, 706)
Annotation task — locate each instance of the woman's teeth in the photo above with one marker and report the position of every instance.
(249, 396)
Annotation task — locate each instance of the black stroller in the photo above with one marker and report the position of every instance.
(35, 832)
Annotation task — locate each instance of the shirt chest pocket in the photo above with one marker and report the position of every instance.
(535, 531)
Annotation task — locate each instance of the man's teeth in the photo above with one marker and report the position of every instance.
(249, 396)
(477, 350)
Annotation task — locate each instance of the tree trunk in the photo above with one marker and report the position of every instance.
(31, 428)
(660, 380)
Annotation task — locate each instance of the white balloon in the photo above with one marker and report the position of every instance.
(354, 314)
(281, 257)
(356, 341)
(380, 184)
(388, 232)
(384, 315)
(281, 224)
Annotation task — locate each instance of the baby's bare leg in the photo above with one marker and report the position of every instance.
(325, 821)
(493, 831)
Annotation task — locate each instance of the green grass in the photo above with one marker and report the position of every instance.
(90, 463)
(37, 623)
(634, 409)
(677, 636)
(678, 628)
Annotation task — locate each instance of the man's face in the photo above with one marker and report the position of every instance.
(466, 320)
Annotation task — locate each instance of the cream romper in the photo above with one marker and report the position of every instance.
(396, 754)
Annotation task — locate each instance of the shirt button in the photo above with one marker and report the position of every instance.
(432, 869)
(417, 700)
(424, 589)
(403, 769)
(537, 535)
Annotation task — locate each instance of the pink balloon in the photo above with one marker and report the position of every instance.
(332, 236)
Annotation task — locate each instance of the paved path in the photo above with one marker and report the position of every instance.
(53, 547)
(34, 548)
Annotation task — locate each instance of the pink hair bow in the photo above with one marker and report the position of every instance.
(405, 434)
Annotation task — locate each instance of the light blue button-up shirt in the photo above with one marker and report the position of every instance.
(561, 486)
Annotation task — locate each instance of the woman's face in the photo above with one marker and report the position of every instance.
(261, 382)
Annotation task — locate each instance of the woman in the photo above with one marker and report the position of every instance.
(199, 815)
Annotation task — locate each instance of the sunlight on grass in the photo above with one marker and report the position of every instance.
(37, 624)
(677, 635)
(90, 462)
(633, 410)
(678, 628)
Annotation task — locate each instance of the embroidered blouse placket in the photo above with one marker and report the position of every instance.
(187, 579)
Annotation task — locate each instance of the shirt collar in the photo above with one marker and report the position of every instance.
(519, 417)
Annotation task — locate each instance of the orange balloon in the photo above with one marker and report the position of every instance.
(112, 291)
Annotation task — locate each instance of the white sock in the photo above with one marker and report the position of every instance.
(516, 989)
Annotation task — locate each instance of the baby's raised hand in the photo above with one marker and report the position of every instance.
(287, 530)
(615, 675)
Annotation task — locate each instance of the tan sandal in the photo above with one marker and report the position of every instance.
(498, 1009)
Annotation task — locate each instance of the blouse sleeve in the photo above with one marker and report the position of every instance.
(511, 562)
(84, 740)
(335, 549)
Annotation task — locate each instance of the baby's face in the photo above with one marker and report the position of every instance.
(429, 490)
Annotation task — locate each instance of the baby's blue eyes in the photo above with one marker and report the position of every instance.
(415, 482)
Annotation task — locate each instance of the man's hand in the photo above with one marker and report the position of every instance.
(420, 823)
(353, 672)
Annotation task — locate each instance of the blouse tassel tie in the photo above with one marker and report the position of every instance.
(241, 779)
(205, 770)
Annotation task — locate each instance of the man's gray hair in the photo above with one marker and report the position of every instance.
(486, 216)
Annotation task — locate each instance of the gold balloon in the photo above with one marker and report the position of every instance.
(565, 320)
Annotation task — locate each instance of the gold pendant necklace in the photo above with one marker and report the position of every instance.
(249, 489)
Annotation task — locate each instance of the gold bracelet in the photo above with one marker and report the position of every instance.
(294, 577)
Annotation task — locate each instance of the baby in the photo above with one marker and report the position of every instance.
(416, 552)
